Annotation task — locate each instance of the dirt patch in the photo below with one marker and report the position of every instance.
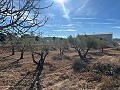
(57, 75)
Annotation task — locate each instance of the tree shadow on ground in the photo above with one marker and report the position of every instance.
(110, 54)
(11, 65)
(21, 83)
(102, 54)
(30, 81)
(97, 53)
(5, 58)
(61, 57)
(36, 81)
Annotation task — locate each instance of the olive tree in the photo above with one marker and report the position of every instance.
(40, 51)
(61, 44)
(9, 40)
(23, 44)
(102, 43)
(82, 44)
(12, 41)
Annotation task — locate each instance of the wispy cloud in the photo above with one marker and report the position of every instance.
(68, 25)
(84, 5)
(117, 27)
(112, 20)
(85, 18)
(50, 25)
(73, 24)
(66, 16)
(66, 11)
(85, 9)
(100, 23)
(51, 15)
(108, 23)
(56, 36)
(67, 30)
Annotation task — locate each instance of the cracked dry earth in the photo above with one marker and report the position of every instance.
(57, 74)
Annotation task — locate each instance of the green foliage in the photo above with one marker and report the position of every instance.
(73, 41)
(101, 43)
(86, 41)
(11, 41)
(25, 43)
(82, 43)
(61, 44)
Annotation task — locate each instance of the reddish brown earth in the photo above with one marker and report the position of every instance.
(57, 74)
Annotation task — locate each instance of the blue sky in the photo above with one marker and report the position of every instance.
(72, 17)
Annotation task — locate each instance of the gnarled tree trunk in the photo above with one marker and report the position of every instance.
(13, 50)
(38, 70)
(22, 54)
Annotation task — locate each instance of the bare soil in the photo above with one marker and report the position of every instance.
(58, 74)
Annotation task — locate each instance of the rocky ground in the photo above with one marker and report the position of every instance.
(99, 72)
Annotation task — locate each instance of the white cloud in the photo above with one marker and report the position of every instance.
(66, 13)
(68, 25)
(114, 20)
(66, 16)
(85, 9)
(99, 23)
(51, 15)
(85, 18)
(51, 25)
(78, 23)
(67, 30)
(108, 23)
(117, 27)
(83, 6)
(57, 36)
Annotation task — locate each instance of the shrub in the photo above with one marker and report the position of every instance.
(56, 58)
(66, 57)
(117, 70)
(110, 84)
(107, 69)
(103, 68)
(52, 49)
(79, 66)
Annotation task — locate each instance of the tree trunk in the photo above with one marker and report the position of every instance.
(21, 55)
(34, 59)
(86, 53)
(102, 50)
(38, 71)
(60, 51)
(80, 55)
(13, 50)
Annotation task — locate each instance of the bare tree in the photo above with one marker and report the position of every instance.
(42, 53)
(21, 14)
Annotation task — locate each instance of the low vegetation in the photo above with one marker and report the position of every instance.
(71, 64)
(29, 61)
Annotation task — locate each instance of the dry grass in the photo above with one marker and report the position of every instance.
(59, 74)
